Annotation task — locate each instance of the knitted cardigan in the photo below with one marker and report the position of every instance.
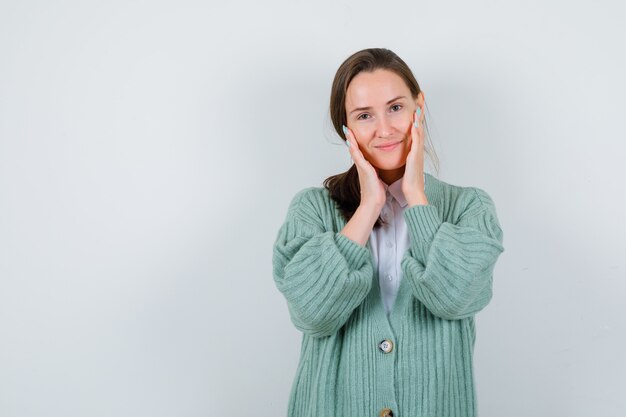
(333, 298)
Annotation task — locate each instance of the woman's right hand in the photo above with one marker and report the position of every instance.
(372, 187)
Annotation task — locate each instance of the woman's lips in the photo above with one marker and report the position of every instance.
(390, 147)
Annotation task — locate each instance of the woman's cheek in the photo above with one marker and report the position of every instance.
(407, 128)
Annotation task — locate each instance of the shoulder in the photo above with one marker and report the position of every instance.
(309, 196)
(311, 204)
(461, 200)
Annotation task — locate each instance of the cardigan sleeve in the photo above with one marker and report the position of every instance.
(450, 266)
(323, 274)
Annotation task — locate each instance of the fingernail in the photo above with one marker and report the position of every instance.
(416, 123)
(345, 132)
(419, 111)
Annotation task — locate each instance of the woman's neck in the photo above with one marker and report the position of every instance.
(391, 176)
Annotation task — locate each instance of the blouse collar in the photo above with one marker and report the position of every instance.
(395, 189)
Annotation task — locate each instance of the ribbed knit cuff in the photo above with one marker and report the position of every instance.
(422, 222)
(354, 253)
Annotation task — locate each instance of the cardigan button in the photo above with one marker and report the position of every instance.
(386, 345)
(386, 412)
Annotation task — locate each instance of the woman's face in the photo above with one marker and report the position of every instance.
(379, 110)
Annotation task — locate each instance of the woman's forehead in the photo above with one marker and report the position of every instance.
(375, 88)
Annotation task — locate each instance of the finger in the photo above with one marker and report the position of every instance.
(416, 123)
(417, 132)
(355, 151)
(351, 148)
(414, 136)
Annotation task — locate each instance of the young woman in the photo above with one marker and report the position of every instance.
(384, 268)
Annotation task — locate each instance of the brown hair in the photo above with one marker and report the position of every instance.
(345, 188)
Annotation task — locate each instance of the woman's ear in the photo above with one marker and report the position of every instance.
(419, 102)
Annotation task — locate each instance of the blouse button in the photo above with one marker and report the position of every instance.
(386, 412)
(386, 346)
(389, 277)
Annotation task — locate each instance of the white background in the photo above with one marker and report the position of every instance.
(149, 150)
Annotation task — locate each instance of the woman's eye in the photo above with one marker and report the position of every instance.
(361, 116)
(399, 106)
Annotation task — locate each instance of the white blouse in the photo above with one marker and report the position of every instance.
(389, 242)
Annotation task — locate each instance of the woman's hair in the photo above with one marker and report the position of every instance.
(344, 188)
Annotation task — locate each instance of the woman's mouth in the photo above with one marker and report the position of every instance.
(389, 147)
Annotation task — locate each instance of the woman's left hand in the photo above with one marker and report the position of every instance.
(413, 180)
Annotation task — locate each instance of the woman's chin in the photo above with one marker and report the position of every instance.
(386, 166)
(389, 164)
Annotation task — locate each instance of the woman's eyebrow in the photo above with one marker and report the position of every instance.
(367, 108)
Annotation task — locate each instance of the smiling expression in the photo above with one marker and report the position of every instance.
(379, 111)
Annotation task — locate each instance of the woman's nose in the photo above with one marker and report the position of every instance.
(384, 127)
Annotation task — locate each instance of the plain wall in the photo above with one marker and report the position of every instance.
(149, 150)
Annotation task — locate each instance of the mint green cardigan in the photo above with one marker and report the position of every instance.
(333, 298)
